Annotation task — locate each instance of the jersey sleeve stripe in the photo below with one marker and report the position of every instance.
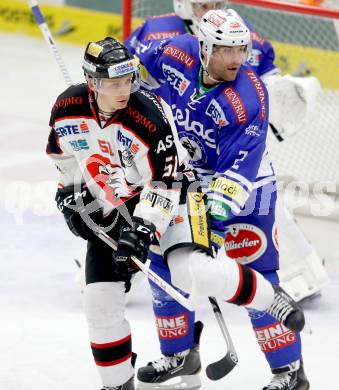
(240, 178)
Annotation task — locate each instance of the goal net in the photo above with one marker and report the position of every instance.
(306, 43)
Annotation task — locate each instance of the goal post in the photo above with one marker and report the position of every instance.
(126, 7)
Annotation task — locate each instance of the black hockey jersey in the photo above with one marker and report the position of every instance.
(136, 152)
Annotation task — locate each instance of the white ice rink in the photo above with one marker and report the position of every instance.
(43, 331)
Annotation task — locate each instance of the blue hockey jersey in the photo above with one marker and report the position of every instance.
(157, 28)
(224, 128)
(170, 25)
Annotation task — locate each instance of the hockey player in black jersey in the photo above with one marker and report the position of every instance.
(122, 170)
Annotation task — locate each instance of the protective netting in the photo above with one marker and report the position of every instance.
(304, 45)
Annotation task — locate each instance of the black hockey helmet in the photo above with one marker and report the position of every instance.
(108, 59)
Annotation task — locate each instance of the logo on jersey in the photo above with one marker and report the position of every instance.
(124, 140)
(79, 144)
(158, 35)
(179, 55)
(126, 157)
(62, 131)
(182, 119)
(237, 105)
(274, 337)
(233, 190)
(176, 79)
(140, 118)
(217, 114)
(158, 201)
(129, 149)
(165, 144)
(194, 147)
(83, 127)
(68, 102)
(253, 131)
(255, 57)
(110, 177)
(260, 91)
(245, 242)
(172, 327)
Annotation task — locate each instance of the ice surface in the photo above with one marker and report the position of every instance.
(44, 344)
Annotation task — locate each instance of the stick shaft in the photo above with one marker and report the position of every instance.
(186, 302)
(49, 40)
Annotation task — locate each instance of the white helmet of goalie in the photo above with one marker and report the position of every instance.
(195, 9)
(223, 28)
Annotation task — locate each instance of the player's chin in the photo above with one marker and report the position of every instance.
(121, 103)
(231, 75)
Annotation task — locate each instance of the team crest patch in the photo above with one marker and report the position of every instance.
(195, 149)
(110, 178)
(245, 243)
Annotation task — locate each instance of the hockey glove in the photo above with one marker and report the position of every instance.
(81, 212)
(134, 240)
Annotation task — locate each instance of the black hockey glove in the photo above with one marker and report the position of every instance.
(134, 240)
(81, 212)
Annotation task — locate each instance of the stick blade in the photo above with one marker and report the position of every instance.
(222, 367)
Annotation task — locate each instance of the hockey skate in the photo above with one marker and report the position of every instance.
(286, 310)
(291, 377)
(129, 385)
(176, 372)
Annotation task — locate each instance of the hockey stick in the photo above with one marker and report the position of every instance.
(225, 365)
(215, 370)
(186, 302)
(33, 4)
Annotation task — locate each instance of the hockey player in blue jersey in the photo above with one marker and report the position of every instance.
(220, 110)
